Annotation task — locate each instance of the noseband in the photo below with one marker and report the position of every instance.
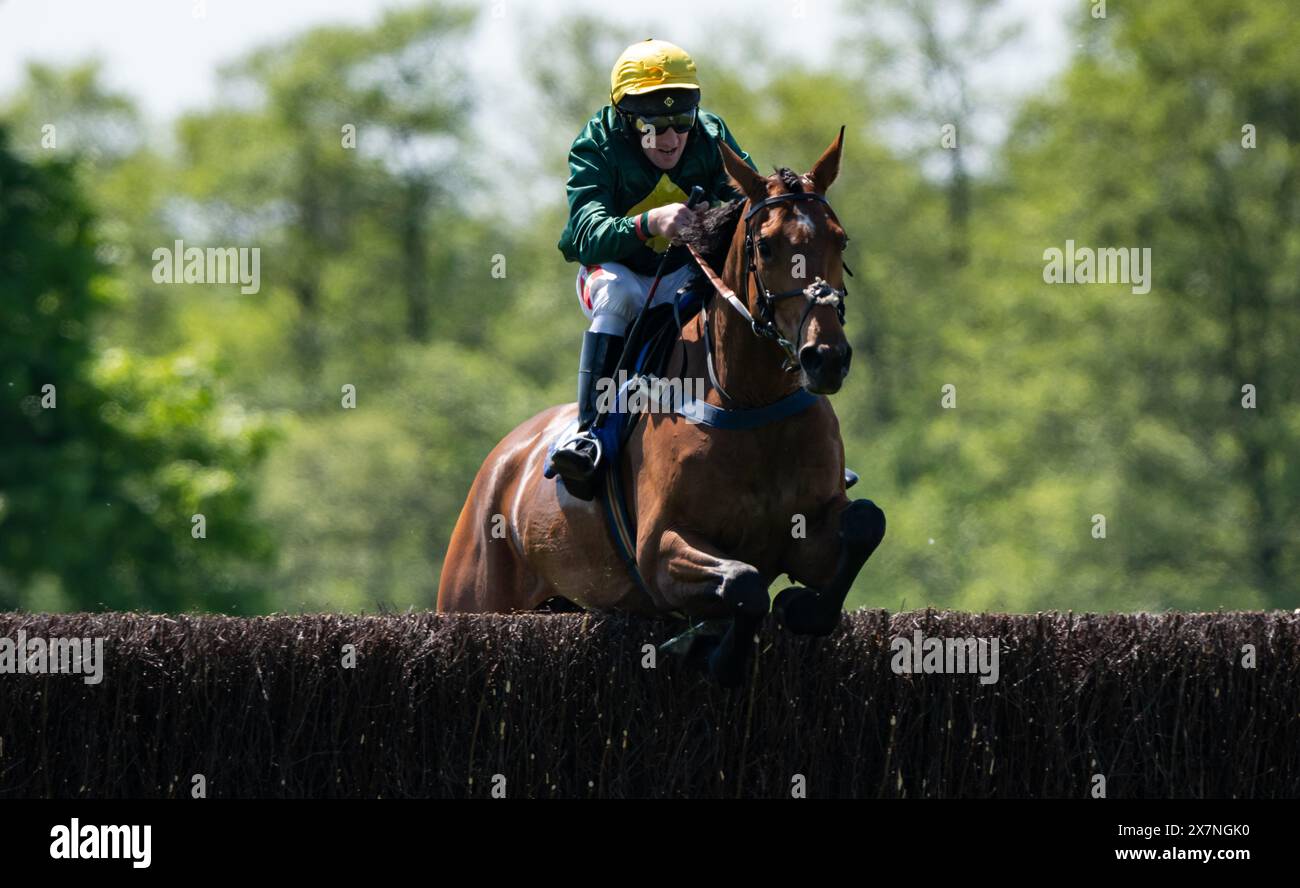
(819, 292)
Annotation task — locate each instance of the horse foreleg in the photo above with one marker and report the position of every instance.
(816, 610)
(693, 576)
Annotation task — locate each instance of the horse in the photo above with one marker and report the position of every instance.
(719, 513)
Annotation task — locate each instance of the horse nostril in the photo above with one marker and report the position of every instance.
(848, 359)
(810, 358)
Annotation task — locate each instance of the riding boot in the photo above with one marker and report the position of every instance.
(577, 460)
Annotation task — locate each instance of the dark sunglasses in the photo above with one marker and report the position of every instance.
(680, 123)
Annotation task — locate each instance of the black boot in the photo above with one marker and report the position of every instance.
(577, 460)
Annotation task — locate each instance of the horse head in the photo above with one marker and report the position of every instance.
(787, 258)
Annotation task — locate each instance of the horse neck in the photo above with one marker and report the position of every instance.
(748, 365)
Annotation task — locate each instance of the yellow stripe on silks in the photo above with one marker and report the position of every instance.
(665, 192)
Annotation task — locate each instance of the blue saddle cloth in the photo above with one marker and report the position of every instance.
(609, 433)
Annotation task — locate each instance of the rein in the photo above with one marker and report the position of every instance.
(819, 292)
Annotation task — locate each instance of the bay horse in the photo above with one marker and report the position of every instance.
(718, 512)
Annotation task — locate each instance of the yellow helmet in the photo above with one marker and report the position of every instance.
(649, 66)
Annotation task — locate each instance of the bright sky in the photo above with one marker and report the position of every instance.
(161, 52)
(165, 54)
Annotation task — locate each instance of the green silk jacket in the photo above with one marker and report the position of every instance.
(611, 182)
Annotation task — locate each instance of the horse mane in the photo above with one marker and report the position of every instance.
(790, 179)
(710, 233)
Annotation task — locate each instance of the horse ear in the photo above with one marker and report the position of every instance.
(827, 166)
(747, 182)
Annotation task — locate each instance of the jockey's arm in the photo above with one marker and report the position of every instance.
(598, 235)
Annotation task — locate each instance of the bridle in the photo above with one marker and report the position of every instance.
(819, 292)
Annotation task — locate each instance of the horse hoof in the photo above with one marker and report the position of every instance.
(700, 655)
(695, 645)
(798, 609)
(727, 669)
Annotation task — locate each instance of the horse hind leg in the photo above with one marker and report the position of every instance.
(484, 572)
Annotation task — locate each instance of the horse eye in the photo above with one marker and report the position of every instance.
(764, 249)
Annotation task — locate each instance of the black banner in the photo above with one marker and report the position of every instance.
(304, 838)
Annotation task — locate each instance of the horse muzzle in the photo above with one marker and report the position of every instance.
(825, 366)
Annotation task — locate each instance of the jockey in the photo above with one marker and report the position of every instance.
(630, 171)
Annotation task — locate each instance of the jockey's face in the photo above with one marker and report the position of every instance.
(665, 148)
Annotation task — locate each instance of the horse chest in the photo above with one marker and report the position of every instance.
(748, 492)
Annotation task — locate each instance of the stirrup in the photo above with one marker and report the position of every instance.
(578, 446)
(579, 480)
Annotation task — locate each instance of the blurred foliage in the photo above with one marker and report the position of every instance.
(377, 272)
(109, 454)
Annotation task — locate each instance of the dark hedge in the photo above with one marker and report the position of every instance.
(561, 706)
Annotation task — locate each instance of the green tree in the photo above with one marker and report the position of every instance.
(107, 455)
(353, 133)
(1099, 400)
